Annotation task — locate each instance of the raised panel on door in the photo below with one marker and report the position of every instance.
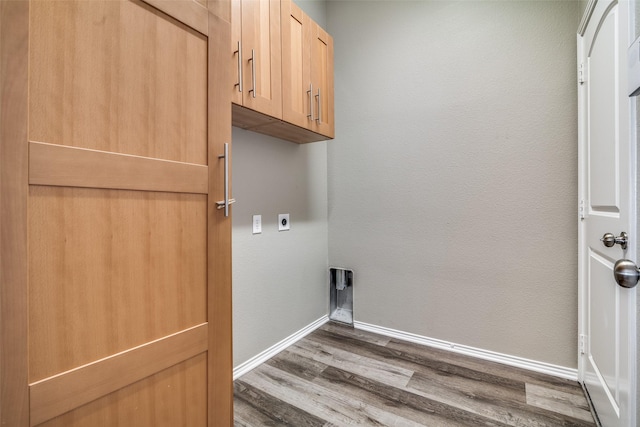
(117, 318)
(322, 79)
(261, 49)
(296, 59)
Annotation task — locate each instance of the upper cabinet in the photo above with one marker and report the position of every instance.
(283, 68)
(256, 45)
(307, 69)
(322, 80)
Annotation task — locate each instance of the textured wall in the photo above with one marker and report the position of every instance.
(279, 278)
(453, 177)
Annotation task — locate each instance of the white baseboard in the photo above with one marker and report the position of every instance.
(252, 363)
(519, 362)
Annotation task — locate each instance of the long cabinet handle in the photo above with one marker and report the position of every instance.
(253, 73)
(310, 92)
(319, 118)
(224, 204)
(239, 52)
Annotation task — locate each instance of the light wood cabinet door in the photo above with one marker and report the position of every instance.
(256, 48)
(237, 64)
(115, 308)
(307, 70)
(296, 62)
(322, 81)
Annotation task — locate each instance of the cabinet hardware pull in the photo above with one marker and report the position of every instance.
(319, 118)
(253, 73)
(224, 204)
(239, 52)
(310, 92)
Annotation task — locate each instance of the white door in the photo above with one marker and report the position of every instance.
(607, 192)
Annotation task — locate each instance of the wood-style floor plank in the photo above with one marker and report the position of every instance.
(559, 401)
(426, 411)
(255, 407)
(386, 373)
(326, 403)
(420, 352)
(506, 412)
(432, 367)
(356, 333)
(338, 376)
(294, 363)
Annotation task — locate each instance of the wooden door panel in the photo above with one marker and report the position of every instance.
(68, 391)
(261, 22)
(322, 78)
(149, 402)
(297, 81)
(14, 55)
(238, 55)
(113, 78)
(261, 32)
(60, 165)
(319, 59)
(296, 58)
(115, 305)
(118, 286)
(114, 269)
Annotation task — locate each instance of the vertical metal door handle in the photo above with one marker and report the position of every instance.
(253, 73)
(239, 52)
(310, 92)
(226, 179)
(319, 118)
(224, 204)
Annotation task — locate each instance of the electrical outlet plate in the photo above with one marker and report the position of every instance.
(257, 224)
(283, 222)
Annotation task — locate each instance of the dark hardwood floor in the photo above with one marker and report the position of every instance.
(339, 376)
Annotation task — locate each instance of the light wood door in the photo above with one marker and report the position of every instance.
(256, 43)
(606, 170)
(117, 302)
(297, 96)
(237, 64)
(322, 80)
(307, 70)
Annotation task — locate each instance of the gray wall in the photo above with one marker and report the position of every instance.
(279, 278)
(583, 6)
(453, 177)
